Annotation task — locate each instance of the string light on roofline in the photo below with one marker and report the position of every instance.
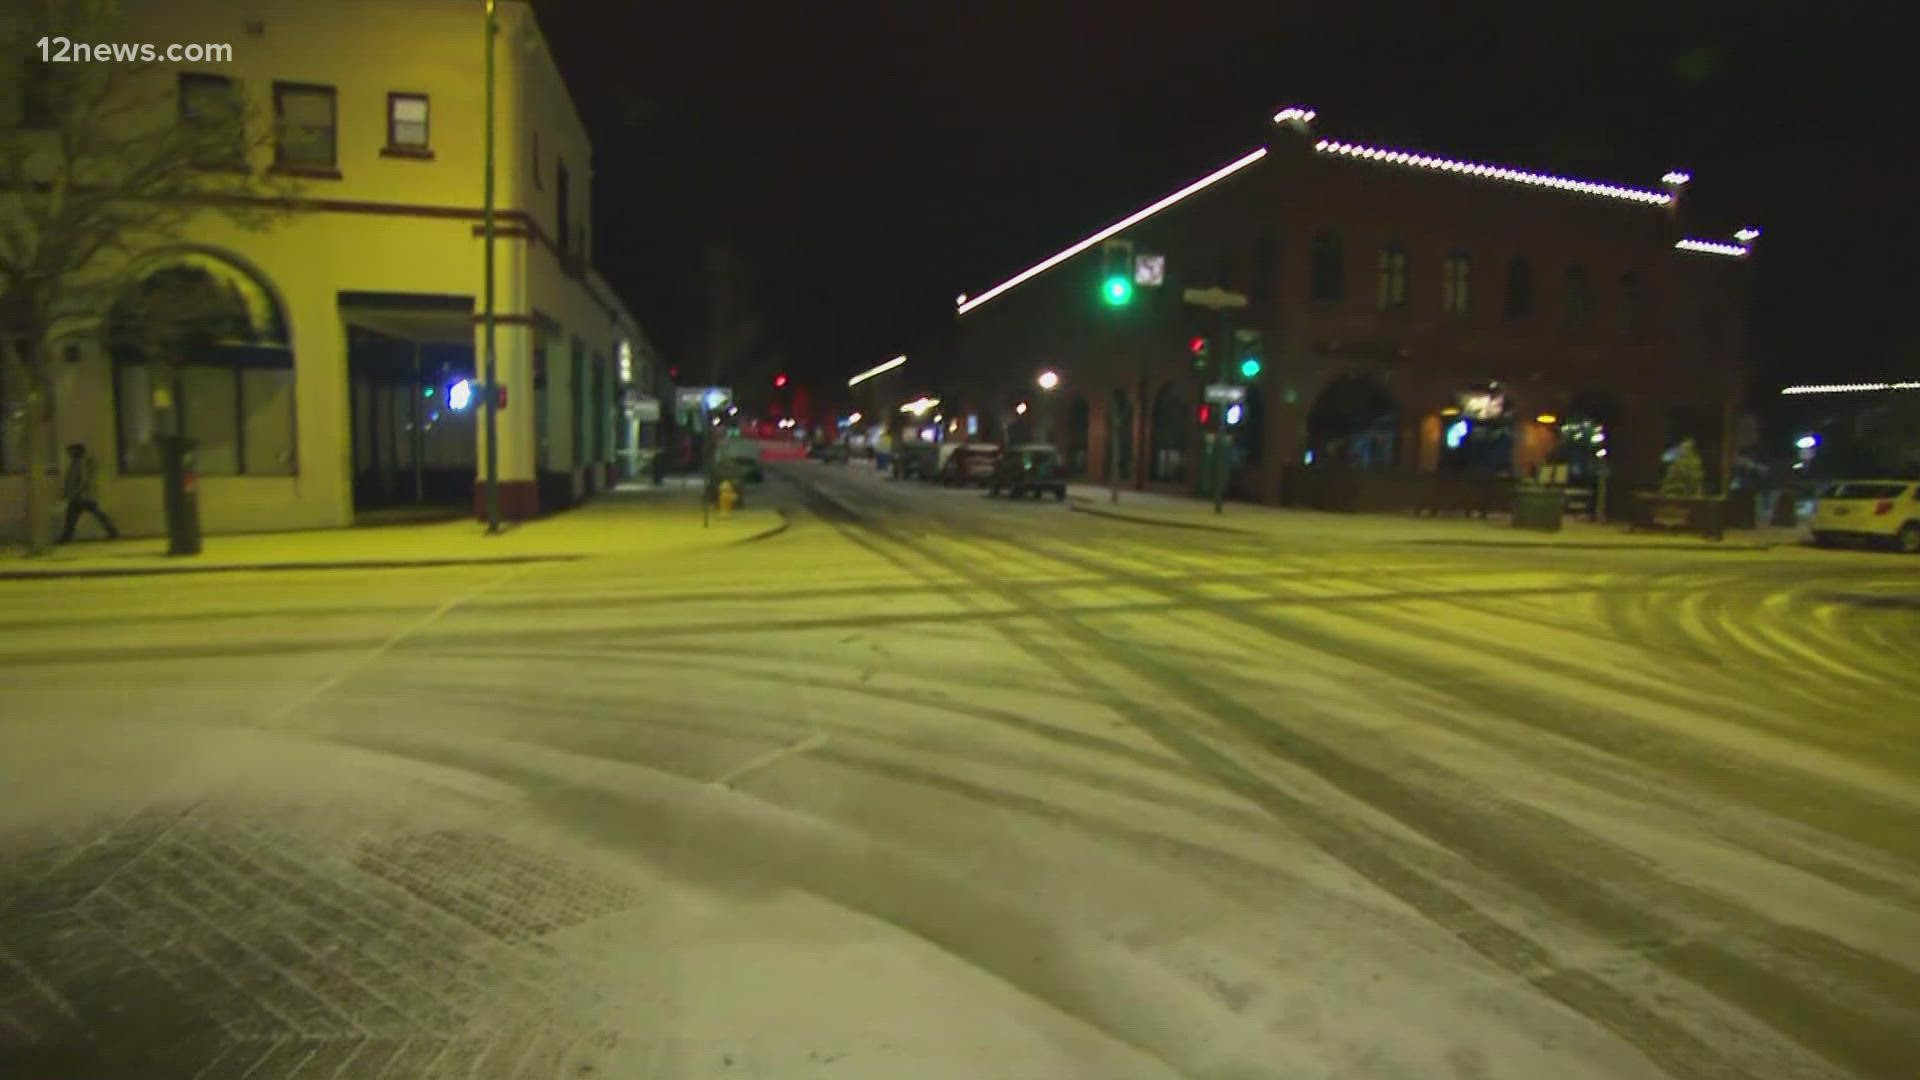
(1709, 247)
(1492, 172)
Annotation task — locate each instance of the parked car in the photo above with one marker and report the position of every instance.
(832, 453)
(1878, 511)
(916, 461)
(970, 463)
(742, 457)
(1029, 470)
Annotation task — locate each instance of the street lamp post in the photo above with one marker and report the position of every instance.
(487, 318)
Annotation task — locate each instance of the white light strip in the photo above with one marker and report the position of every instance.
(1747, 234)
(1851, 388)
(1294, 113)
(1492, 172)
(1709, 247)
(877, 369)
(1127, 222)
(1676, 178)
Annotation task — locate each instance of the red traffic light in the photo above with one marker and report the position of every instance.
(1206, 413)
(779, 380)
(1197, 346)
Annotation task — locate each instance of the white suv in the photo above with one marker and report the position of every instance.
(1879, 510)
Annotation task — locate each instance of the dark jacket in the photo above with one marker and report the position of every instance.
(81, 480)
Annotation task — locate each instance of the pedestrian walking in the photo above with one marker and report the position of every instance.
(83, 493)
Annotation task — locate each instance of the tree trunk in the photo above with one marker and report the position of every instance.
(38, 492)
(39, 502)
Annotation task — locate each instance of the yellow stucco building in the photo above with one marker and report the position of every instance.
(365, 294)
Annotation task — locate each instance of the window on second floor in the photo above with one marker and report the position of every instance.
(305, 135)
(1329, 268)
(407, 124)
(1393, 277)
(1632, 304)
(1519, 287)
(563, 226)
(211, 109)
(1579, 298)
(1266, 255)
(1454, 276)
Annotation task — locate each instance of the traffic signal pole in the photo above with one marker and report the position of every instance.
(1221, 462)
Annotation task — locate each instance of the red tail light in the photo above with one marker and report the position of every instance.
(1884, 506)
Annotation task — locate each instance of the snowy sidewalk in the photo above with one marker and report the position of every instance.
(1283, 524)
(631, 522)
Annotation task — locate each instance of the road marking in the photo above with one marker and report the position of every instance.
(386, 646)
(812, 742)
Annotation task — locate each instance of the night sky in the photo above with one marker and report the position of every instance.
(873, 161)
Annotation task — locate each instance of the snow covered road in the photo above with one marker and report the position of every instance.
(933, 785)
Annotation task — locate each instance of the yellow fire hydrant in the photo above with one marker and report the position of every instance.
(727, 497)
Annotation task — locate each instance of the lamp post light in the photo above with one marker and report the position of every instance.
(1049, 379)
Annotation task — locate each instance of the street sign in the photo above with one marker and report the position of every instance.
(1150, 270)
(694, 398)
(644, 408)
(1224, 394)
(1216, 298)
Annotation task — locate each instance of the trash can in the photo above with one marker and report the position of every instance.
(181, 497)
(1539, 508)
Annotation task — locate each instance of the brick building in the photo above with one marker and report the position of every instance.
(1426, 326)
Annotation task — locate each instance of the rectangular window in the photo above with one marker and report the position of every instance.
(1579, 298)
(210, 107)
(542, 424)
(1266, 255)
(241, 414)
(563, 231)
(601, 417)
(577, 396)
(1393, 278)
(1455, 274)
(407, 123)
(209, 402)
(1329, 268)
(267, 421)
(135, 419)
(1519, 288)
(1631, 302)
(304, 133)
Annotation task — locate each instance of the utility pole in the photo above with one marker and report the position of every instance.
(492, 380)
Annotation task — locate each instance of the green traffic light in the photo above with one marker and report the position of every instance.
(1117, 291)
(1249, 367)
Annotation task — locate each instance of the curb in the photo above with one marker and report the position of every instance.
(779, 527)
(1579, 545)
(244, 568)
(1078, 507)
(1083, 507)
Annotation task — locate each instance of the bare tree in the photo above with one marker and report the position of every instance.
(99, 162)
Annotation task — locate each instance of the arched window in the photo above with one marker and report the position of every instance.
(200, 349)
